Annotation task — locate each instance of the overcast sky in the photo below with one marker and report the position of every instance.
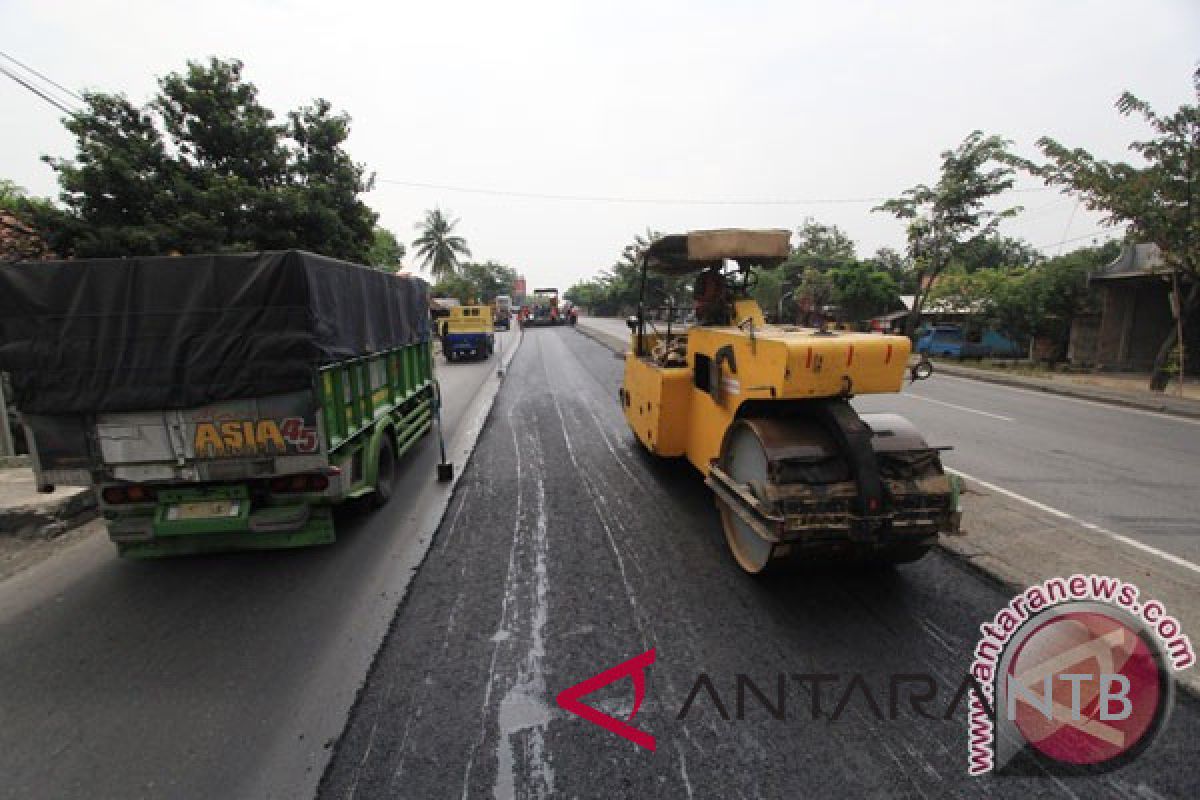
(820, 108)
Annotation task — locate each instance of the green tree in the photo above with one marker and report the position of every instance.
(386, 251)
(950, 216)
(996, 251)
(987, 296)
(118, 189)
(477, 282)
(770, 292)
(326, 183)
(1054, 292)
(456, 286)
(813, 293)
(1159, 200)
(204, 167)
(589, 295)
(803, 281)
(489, 279)
(862, 291)
(437, 246)
(615, 291)
(819, 245)
(897, 266)
(14, 198)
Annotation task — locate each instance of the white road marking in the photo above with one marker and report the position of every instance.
(1054, 396)
(960, 408)
(1091, 526)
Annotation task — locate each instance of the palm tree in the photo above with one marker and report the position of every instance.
(437, 247)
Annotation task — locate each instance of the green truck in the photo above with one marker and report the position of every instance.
(220, 402)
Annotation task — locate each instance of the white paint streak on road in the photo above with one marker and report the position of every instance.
(524, 707)
(1091, 526)
(958, 407)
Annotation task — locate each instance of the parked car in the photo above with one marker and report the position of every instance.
(952, 341)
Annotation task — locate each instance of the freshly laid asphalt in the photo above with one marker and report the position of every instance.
(209, 677)
(568, 550)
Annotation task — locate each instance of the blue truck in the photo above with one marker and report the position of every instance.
(952, 341)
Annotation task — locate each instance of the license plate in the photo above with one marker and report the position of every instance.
(208, 509)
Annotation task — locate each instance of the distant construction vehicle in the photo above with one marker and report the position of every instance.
(543, 310)
(502, 308)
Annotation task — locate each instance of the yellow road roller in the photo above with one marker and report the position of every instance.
(763, 411)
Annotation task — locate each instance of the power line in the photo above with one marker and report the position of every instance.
(579, 198)
(38, 91)
(1096, 232)
(49, 80)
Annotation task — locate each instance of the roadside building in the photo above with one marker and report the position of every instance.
(1133, 314)
(19, 241)
(933, 312)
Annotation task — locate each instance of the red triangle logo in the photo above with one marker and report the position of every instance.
(635, 668)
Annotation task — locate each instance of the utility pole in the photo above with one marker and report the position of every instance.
(1177, 307)
(6, 442)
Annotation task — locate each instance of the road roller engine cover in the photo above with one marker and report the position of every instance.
(763, 411)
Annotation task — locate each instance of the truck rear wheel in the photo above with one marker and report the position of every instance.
(385, 474)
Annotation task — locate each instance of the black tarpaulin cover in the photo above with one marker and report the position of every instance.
(179, 332)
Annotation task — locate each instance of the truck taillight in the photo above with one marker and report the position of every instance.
(134, 493)
(299, 483)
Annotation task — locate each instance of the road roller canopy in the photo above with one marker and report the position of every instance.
(679, 254)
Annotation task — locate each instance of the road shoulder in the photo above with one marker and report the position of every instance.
(1144, 401)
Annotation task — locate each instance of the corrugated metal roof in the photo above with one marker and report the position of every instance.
(1136, 261)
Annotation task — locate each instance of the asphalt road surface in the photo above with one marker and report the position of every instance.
(203, 677)
(567, 550)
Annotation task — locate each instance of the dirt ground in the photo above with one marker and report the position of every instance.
(18, 553)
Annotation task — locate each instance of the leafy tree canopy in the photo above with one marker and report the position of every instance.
(477, 283)
(898, 266)
(818, 245)
(204, 167)
(15, 199)
(615, 290)
(996, 251)
(862, 292)
(946, 219)
(386, 252)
